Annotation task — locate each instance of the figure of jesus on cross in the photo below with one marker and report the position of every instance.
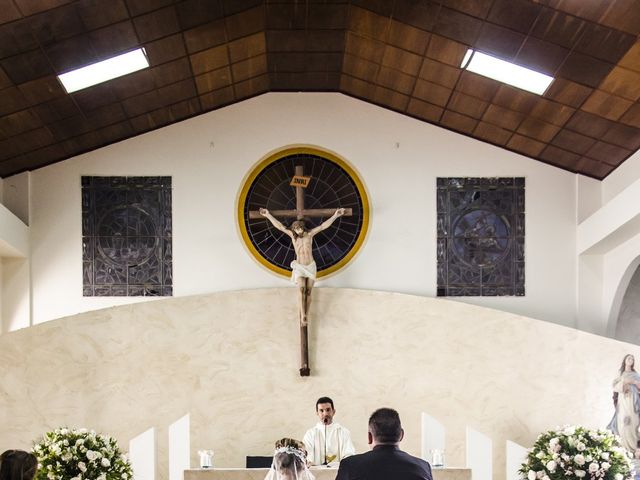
(304, 266)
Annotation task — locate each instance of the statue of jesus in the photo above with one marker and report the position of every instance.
(303, 267)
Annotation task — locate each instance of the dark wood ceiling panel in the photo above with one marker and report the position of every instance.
(467, 105)
(245, 23)
(401, 60)
(588, 124)
(15, 38)
(552, 112)
(584, 69)
(559, 28)
(210, 59)
(325, 40)
(57, 24)
(492, 134)
(589, 10)
(94, 16)
(422, 15)
(395, 100)
(457, 26)
(327, 16)
(41, 90)
(446, 51)
(538, 129)
(403, 55)
(424, 111)
(477, 86)
(573, 142)
(525, 145)
(606, 105)
(567, 92)
(604, 43)
(214, 80)
(11, 100)
(9, 12)
(632, 116)
(192, 13)
(217, 98)
(611, 154)
(625, 15)
(19, 122)
(623, 83)
(396, 81)
(560, 158)
(499, 41)
(432, 93)
(541, 56)
(157, 24)
(31, 7)
(475, 8)
(114, 39)
(27, 66)
(247, 47)
(368, 24)
(439, 73)
(249, 68)
(503, 117)
(165, 49)
(623, 136)
(139, 7)
(518, 15)
(58, 109)
(458, 122)
(205, 36)
(408, 38)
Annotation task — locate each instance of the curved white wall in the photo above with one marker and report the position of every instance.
(230, 361)
(397, 157)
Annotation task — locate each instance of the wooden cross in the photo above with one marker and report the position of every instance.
(300, 213)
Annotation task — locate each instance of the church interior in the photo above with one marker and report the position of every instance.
(483, 280)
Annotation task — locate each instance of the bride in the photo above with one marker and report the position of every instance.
(289, 463)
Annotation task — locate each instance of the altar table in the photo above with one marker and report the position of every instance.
(321, 473)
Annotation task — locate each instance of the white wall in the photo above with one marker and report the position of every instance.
(621, 177)
(230, 360)
(397, 157)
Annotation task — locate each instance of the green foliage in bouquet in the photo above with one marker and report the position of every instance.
(576, 453)
(66, 454)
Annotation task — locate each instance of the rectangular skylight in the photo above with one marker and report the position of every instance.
(105, 70)
(506, 72)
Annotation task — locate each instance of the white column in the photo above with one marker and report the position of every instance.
(433, 436)
(479, 455)
(142, 454)
(179, 448)
(516, 455)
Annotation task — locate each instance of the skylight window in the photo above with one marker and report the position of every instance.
(506, 72)
(105, 70)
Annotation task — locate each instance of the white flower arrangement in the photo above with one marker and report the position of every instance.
(66, 454)
(577, 453)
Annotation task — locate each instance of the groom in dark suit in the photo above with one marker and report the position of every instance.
(385, 461)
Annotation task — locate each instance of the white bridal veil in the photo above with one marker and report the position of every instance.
(289, 463)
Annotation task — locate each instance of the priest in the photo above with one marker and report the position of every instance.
(327, 442)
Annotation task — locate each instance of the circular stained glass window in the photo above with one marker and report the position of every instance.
(330, 183)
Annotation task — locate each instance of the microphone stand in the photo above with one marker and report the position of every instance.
(325, 442)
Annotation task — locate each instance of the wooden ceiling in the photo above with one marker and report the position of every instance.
(403, 55)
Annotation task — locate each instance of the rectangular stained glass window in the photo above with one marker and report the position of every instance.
(126, 236)
(480, 228)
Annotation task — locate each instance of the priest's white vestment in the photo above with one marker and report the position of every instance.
(338, 444)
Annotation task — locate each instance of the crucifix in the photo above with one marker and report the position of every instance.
(303, 267)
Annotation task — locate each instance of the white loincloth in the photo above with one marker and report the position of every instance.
(302, 271)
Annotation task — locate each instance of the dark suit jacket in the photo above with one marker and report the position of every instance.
(384, 462)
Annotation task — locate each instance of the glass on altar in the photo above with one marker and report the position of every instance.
(206, 458)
